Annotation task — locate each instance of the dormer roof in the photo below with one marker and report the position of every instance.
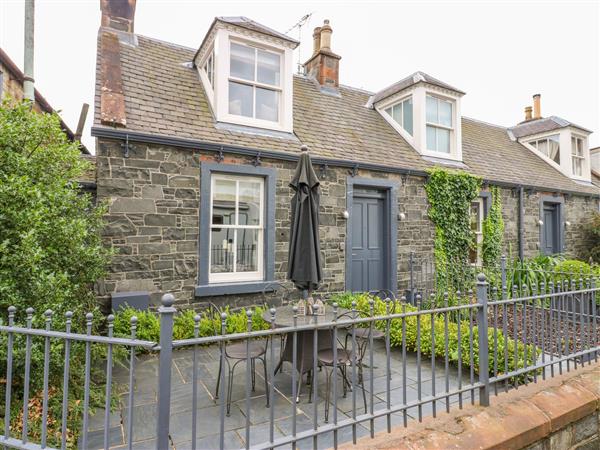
(409, 81)
(250, 24)
(536, 126)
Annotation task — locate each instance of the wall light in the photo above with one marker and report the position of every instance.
(401, 216)
(346, 214)
(540, 222)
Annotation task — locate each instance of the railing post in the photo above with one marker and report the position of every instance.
(166, 312)
(503, 269)
(482, 329)
(411, 262)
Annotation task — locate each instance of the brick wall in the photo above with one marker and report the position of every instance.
(153, 220)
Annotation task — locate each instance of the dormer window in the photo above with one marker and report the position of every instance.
(426, 113)
(439, 124)
(548, 146)
(254, 82)
(402, 113)
(246, 71)
(577, 155)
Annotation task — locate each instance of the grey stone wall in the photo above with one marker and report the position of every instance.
(153, 201)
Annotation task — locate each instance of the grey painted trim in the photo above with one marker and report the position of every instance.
(391, 228)
(270, 175)
(560, 201)
(196, 144)
(487, 202)
(249, 287)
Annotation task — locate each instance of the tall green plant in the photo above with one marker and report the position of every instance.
(450, 194)
(51, 251)
(493, 231)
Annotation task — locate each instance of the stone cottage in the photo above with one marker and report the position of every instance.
(196, 147)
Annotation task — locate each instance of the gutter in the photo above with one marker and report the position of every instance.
(197, 144)
(521, 218)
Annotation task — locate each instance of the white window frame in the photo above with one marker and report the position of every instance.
(255, 83)
(440, 126)
(401, 123)
(238, 276)
(575, 157)
(210, 73)
(479, 232)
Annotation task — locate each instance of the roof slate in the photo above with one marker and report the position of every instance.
(542, 125)
(163, 96)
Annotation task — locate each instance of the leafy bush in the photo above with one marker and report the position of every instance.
(51, 251)
(362, 304)
(148, 325)
(493, 231)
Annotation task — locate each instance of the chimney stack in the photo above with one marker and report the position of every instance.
(118, 14)
(537, 107)
(323, 65)
(528, 110)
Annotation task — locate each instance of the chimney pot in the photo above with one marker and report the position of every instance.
(316, 40)
(537, 107)
(326, 31)
(528, 110)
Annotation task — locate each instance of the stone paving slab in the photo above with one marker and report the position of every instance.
(208, 417)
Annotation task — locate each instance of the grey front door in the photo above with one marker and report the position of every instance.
(551, 230)
(369, 241)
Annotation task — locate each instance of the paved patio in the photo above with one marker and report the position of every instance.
(144, 421)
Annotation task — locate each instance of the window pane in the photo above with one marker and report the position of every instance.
(240, 99)
(223, 202)
(242, 62)
(267, 104)
(573, 146)
(475, 217)
(221, 250)
(554, 149)
(445, 113)
(390, 111)
(577, 166)
(247, 250)
(432, 114)
(542, 146)
(249, 203)
(443, 140)
(268, 71)
(407, 119)
(397, 114)
(431, 143)
(579, 147)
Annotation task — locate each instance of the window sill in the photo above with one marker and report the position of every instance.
(246, 287)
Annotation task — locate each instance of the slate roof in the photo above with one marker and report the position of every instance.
(163, 96)
(411, 80)
(542, 125)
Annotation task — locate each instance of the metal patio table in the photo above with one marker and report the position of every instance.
(284, 317)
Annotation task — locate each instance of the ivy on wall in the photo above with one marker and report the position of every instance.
(450, 194)
(493, 230)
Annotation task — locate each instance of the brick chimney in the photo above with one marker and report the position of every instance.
(537, 107)
(323, 65)
(118, 14)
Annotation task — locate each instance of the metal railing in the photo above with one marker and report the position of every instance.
(430, 357)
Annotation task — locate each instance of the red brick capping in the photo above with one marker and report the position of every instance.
(514, 420)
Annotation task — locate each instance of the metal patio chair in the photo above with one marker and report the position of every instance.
(236, 353)
(345, 357)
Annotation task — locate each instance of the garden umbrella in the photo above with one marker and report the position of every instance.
(304, 258)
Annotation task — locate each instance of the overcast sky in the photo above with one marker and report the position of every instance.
(499, 53)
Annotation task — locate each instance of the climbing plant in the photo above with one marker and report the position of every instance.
(493, 230)
(450, 194)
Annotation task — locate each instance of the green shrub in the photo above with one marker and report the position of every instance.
(51, 250)
(362, 304)
(148, 325)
